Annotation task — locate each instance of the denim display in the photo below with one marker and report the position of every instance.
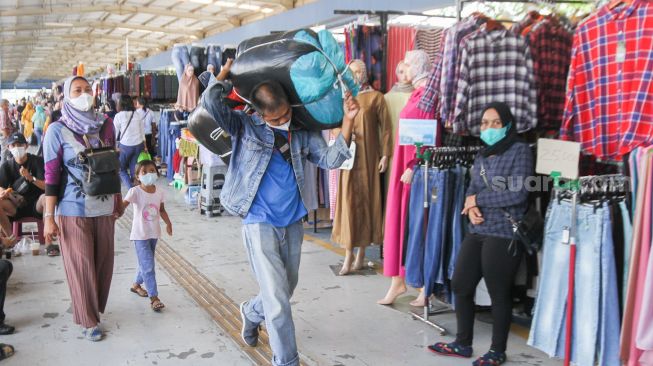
(198, 59)
(180, 58)
(214, 57)
(274, 255)
(457, 222)
(423, 256)
(596, 308)
(168, 133)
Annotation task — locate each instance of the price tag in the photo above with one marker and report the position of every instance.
(565, 235)
(558, 155)
(621, 51)
(422, 131)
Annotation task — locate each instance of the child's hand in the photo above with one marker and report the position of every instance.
(169, 229)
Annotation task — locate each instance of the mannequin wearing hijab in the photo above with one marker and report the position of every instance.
(417, 69)
(358, 219)
(189, 89)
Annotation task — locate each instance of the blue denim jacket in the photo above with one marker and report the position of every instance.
(252, 143)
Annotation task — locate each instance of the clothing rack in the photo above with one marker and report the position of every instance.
(461, 3)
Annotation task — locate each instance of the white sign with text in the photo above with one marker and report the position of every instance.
(558, 156)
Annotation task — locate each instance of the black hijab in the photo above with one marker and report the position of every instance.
(511, 135)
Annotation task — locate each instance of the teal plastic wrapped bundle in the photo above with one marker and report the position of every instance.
(311, 68)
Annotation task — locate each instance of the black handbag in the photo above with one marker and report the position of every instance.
(100, 170)
(529, 231)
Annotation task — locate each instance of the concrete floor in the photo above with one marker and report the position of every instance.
(337, 320)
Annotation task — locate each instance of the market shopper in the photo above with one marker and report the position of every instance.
(130, 136)
(6, 129)
(38, 121)
(149, 124)
(84, 223)
(263, 187)
(488, 251)
(146, 230)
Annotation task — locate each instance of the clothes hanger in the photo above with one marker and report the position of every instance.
(614, 3)
(493, 25)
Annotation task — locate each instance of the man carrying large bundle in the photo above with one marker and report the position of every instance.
(263, 186)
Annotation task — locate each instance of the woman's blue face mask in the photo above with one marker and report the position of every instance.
(491, 136)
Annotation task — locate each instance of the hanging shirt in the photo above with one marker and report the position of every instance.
(495, 66)
(610, 87)
(550, 45)
(277, 201)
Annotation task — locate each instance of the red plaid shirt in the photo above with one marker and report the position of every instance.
(550, 46)
(609, 104)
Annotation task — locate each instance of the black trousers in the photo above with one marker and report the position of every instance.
(485, 257)
(5, 272)
(150, 145)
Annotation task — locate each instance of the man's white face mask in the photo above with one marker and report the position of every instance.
(283, 127)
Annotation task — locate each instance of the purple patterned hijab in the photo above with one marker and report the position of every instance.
(82, 123)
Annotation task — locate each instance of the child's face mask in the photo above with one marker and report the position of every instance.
(148, 179)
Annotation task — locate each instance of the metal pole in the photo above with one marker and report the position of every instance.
(570, 291)
(126, 54)
(459, 10)
(384, 62)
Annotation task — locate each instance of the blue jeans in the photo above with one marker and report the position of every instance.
(457, 230)
(423, 258)
(596, 308)
(180, 59)
(628, 237)
(38, 132)
(128, 160)
(146, 274)
(274, 255)
(214, 53)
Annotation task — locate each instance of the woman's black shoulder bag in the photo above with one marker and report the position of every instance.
(529, 231)
(100, 170)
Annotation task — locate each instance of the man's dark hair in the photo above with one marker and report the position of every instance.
(268, 96)
(142, 101)
(126, 103)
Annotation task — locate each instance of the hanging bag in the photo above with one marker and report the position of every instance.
(100, 170)
(528, 232)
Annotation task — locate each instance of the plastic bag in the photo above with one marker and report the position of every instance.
(310, 67)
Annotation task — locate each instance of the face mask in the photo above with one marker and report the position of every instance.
(83, 102)
(493, 135)
(148, 179)
(18, 152)
(283, 127)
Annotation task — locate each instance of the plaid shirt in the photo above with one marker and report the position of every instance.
(506, 174)
(609, 107)
(430, 101)
(550, 45)
(495, 66)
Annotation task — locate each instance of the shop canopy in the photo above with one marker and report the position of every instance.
(45, 39)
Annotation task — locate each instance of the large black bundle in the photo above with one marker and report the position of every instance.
(310, 67)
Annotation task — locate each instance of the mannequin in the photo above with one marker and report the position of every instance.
(396, 100)
(418, 66)
(358, 218)
(189, 89)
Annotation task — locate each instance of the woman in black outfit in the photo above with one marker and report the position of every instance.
(487, 250)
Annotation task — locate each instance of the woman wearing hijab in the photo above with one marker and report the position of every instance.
(189, 90)
(38, 121)
(487, 250)
(85, 224)
(26, 120)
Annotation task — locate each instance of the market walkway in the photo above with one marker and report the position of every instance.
(337, 320)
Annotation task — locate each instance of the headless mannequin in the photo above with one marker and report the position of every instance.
(398, 284)
(350, 263)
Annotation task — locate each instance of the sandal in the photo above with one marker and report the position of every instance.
(53, 250)
(492, 358)
(6, 351)
(138, 290)
(453, 349)
(157, 305)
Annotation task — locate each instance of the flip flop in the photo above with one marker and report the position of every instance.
(6, 351)
(52, 250)
(139, 291)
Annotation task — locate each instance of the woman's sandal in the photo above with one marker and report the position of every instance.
(52, 250)
(157, 305)
(6, 351)
(139, 291)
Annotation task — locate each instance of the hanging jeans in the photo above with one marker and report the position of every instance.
(214, 57)
(457, 229)
(596, 308)
(174, 132)
(180, 59)
(128, 160)
(198, 59)
(423, 257)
